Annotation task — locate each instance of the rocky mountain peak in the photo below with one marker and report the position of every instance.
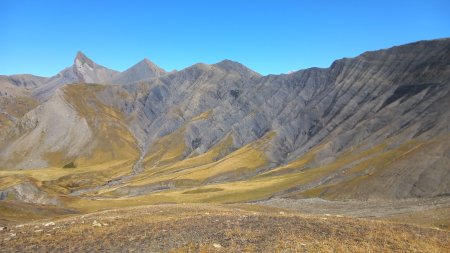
(147, 61)
(82, 59)
(145, 69)
(151, 66)
(87, 71)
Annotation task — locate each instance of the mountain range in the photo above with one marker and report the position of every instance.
(376, 126)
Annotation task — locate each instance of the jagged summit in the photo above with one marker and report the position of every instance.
(81, 58)
(88, 71)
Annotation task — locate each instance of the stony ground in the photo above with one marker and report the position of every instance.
(427, 212)
(218, 228)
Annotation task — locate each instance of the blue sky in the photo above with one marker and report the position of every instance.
(42, 37)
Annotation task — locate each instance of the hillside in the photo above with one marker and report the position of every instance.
(375, 127)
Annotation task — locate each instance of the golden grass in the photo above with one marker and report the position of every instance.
(192, 172)
(166, 150)
(203, 167)
(60, 181)
(294, 166)
(202, 178)
(13, 211)
(9, 180)
(194, 181)
(54, 173)
(436, 218)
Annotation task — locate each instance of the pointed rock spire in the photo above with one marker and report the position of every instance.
(82, 59)
(87, 71)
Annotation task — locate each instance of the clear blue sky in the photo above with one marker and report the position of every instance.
(42, 37)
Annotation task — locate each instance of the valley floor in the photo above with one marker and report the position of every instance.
(218, 228)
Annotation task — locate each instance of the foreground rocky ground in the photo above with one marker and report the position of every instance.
(218, 228)
(426, 212)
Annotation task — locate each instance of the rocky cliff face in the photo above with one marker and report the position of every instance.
(374, 126)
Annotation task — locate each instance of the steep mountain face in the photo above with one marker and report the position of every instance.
(374, 126)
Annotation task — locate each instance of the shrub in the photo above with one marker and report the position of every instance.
(70, 165)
